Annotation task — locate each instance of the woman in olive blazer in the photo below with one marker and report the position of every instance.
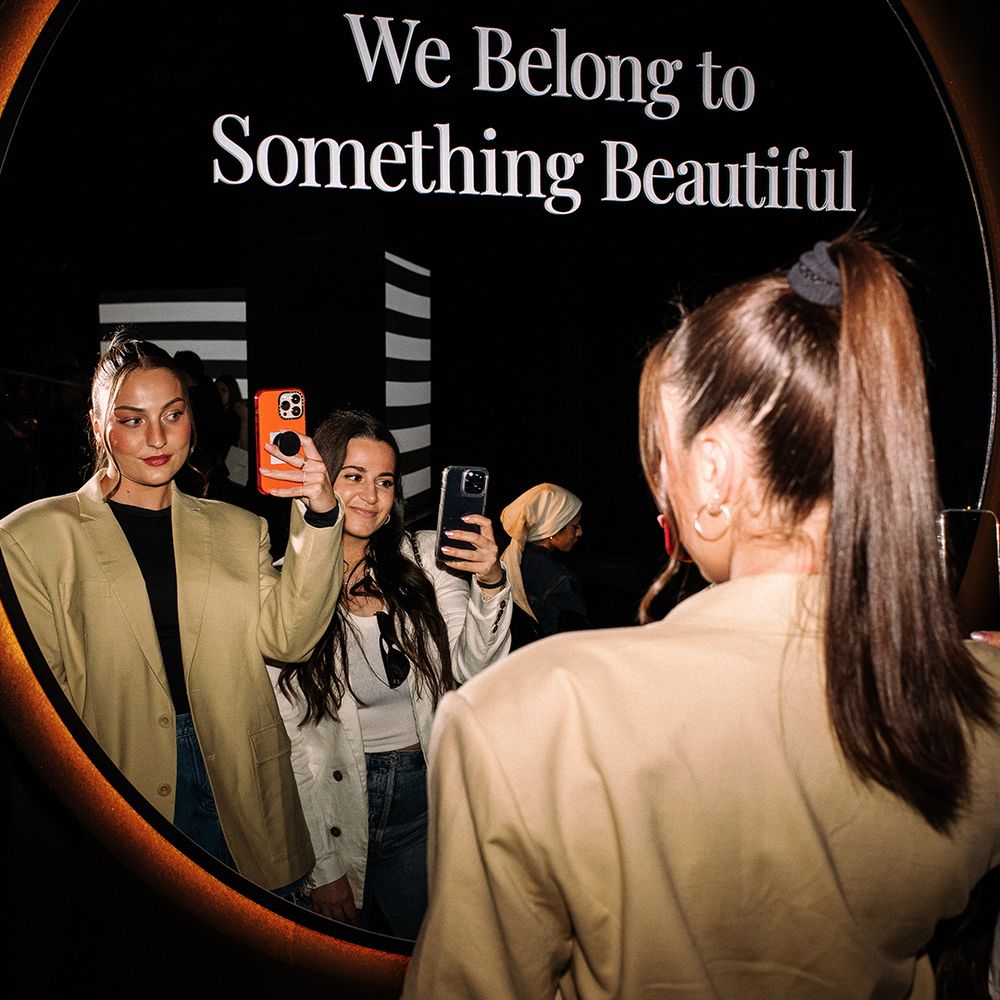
(86, 601)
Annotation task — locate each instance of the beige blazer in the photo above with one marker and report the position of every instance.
(663, 812)
(85, 600)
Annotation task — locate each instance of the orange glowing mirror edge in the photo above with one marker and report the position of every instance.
(33, 721)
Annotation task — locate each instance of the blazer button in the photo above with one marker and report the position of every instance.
(163, 790)
(335, 830)
(338, 775)
(164, 721)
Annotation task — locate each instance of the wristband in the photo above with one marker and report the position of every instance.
(494, 586)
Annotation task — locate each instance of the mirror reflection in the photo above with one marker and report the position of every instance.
(455, 326)
(152, 608)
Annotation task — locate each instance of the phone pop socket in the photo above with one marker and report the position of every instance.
(287, 442)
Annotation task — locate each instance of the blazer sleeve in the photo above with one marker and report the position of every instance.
(296, 604)
(478, 630)
(329, 866)
(496, 925)
(36, 604)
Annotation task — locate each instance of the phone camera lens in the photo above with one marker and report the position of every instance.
(296, 399)
(296, 411)
(284, 404)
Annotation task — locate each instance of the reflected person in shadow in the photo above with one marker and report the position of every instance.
(782, 787)
(543, 523)
(155, 610)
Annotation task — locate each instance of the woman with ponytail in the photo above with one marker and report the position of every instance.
(359, 710)
(782, 787)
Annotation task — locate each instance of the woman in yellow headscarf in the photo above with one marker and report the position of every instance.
(542, 523)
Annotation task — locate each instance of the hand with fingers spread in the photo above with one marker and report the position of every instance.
(308, 477)
(483, 559)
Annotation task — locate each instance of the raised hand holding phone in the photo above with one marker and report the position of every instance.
(969, 541)
(288, 463)
(465, 539)
(306, 478)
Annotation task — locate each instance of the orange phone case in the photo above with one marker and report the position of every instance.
(275, 412)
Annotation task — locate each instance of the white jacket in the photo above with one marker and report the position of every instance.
(328, 757)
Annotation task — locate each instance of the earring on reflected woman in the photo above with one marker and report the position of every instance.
(668, 540)
(713, 509)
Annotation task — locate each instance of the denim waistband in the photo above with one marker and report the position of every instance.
(184, 724)
(401, 760)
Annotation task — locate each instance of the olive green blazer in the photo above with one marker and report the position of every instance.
(85, 600)
(665, 812)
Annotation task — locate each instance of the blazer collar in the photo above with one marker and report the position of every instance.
(796, 602)
(115, 558)
(192, 556)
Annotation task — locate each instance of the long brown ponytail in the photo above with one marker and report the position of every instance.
(836, 399)
(900, 684)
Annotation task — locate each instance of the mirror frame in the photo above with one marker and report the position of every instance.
(29, 710)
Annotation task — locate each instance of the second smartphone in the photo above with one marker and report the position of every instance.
(463, 491)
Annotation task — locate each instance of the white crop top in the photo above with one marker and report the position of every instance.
(385, 713)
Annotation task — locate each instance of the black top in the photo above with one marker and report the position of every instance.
(149, 534)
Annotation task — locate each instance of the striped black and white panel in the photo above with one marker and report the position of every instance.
(212, 323)
(408, 376)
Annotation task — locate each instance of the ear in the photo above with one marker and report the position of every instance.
(718, 452)
(95, 427)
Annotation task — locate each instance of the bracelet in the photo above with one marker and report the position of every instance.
(494, 586)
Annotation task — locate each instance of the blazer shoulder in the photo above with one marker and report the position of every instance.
(219, 512)
(41, 516)
(988, 659)
(587, 658)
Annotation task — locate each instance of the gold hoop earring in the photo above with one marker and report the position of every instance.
(722, 510)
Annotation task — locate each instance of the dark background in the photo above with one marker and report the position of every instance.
(539, 322)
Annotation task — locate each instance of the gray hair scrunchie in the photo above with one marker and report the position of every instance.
(815, 277)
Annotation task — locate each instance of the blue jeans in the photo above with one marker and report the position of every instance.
(396, 877)
(195, 814)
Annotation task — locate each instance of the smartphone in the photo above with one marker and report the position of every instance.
(463, 491)
(279, 419)
(969, 541)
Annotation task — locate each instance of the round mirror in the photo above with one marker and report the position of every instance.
(469, 223)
